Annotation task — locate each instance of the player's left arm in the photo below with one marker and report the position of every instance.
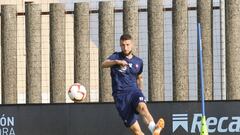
(140, 81)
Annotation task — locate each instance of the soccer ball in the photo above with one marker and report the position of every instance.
(77, 92)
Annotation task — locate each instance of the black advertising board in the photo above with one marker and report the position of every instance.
(182, 118)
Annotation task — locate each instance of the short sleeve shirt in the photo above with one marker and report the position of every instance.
(125, 78)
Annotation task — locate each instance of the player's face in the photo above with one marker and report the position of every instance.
(126, 46)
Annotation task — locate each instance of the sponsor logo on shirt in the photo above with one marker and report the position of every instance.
(122, 69)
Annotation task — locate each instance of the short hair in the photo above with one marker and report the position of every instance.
(126, 37)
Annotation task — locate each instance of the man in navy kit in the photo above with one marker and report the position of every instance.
(127, 86)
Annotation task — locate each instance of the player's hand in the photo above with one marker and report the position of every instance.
(122, 63)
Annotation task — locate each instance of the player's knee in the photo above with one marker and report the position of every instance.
(142, 107)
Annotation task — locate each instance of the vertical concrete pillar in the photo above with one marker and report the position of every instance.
(156, 50)
(9, 53)
(33, 51)
(82, 46)
(232, 49)
(180, 50)
(130, 21)
(57, 53)
(204, 16)
(106, 48)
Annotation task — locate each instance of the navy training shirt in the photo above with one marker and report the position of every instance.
(125, 78)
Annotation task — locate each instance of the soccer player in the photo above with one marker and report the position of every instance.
(127, 86)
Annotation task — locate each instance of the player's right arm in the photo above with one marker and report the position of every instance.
(109, 63)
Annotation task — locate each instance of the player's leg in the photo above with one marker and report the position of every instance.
(148, 119)
(144, 112)
(135, 129)
(139, 103)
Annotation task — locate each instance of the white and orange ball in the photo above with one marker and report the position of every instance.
(77, 92)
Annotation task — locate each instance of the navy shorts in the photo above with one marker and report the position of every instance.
(126, 105)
